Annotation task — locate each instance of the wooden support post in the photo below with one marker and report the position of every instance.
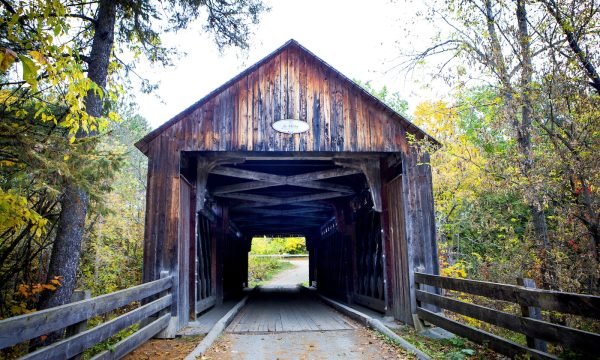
(417, 322)
(420, 244)
(74, 329)
(533, 313)
(170, 331)
(79, 327)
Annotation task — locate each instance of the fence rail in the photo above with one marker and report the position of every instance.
(577, 304)
(22, 328)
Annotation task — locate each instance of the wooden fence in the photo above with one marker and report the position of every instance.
(153, 313)
(577, 304)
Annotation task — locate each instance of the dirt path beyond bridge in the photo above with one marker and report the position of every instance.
(293, 276)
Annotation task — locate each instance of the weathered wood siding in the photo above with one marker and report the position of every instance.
(399, 287)
(292, 84)
(162, 209)
(368, 256)
(419, 221)
(186, 235)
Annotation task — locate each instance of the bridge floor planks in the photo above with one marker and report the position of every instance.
(287, 310)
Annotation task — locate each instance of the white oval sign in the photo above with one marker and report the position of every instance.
(290, 126)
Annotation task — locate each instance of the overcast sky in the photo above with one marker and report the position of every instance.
(362, 39)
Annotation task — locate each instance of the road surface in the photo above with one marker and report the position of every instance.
(293, 276)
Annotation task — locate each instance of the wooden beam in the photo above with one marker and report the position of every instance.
(281, 218)
(204, 166)
(270, 229)
(324, 174)
(372, 172)
(248, 174)
(294, 211)
(294, 155)
(251, 185)
(253, 205)
(250, 206)
(265, 180)
(271, 200)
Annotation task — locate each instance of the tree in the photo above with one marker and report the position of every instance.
(527, 51)
(112, 253)
(393, 100)
(67, 52)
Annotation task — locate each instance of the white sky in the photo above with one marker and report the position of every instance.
(362, 39)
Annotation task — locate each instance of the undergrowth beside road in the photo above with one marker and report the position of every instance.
(456, 348)
(262, 269)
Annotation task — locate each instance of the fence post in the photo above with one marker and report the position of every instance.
(418, 323)
(532, 312)
(170, 331)
(81, 326)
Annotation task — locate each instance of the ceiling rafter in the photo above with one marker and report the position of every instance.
(266, 180)
(272, 201)
(250, 206)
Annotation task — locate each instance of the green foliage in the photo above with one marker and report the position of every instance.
(112, 257)
(262, 269)
(268, 246)
(36, 160)
(393, 100)
(455, 348)
(517, 191)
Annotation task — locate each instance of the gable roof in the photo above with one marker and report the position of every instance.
(412, 128)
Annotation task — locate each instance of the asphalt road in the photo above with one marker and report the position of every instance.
(294, 276)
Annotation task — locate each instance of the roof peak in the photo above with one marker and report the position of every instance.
(141, 144)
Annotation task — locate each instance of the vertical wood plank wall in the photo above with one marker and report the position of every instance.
(396, 238)
(290, 85)
(333, 262)
(203, 260)
(161, 234)
(369, 289)
(419, 219)
(185, 241)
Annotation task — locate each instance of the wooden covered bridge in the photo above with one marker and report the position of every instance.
(289, 146)
(292, 146)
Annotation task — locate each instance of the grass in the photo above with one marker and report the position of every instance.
(262, 269)
(456, 348)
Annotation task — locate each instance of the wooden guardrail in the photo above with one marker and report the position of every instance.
(22, 328)
(577, 304)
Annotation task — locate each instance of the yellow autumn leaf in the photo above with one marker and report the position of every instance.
(7, 58)
(39, 57)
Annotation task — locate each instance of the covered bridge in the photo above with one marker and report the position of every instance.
(289, 146)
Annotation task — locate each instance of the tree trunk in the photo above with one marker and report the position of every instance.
(523, 128)
(64, 261)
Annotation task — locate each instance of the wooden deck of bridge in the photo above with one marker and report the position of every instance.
(287, 310)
